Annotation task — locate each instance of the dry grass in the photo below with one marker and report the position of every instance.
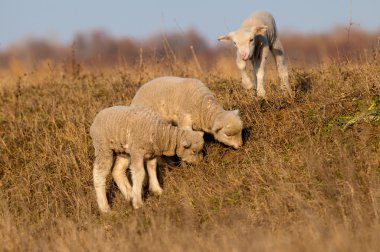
(307, 178)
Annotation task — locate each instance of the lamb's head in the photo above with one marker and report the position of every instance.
(190, 146)
(244, 40)
(227, 128)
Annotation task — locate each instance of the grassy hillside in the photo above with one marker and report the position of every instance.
(307, 178)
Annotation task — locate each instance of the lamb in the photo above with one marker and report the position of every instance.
(134, 135)
(189, 104)
(254, 39)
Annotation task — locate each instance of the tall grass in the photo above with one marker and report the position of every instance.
(307, 178)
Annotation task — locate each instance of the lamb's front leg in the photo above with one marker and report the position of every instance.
(245, 80)
(260, 68)
(154, 185)
(138, 175)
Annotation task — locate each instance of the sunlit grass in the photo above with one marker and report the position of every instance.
(307, 178)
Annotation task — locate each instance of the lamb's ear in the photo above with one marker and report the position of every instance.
(201, 133)
(186, 143)
(226, 37)
(260, 29)
(217, 127)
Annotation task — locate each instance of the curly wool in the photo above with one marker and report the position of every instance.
(173, 97)
(122, 128)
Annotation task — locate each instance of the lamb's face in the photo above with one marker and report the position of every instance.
(244, 40)
(190, 148)
(228, 129)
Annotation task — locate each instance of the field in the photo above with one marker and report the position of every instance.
(306, 179)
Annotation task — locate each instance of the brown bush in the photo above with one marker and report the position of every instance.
(100, 49)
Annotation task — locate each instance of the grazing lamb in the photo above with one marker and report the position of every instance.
(188, 103)
(254, 39)
(135, 135)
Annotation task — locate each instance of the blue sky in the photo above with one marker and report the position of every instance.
(61, 20)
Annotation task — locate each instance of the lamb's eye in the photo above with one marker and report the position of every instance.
(251, 40)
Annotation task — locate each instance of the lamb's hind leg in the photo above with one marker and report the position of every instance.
(102, 167)
(282, 69)
(120, 177)
(245, 80)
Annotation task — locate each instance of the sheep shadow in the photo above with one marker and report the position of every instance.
(246, 134)
(164, 164)
(265, 105)
(303, 84)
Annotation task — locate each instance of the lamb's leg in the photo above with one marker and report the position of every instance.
(120, 177)
(154, 185)
(102, 167)
(138, 174)
(261, 68)
(278, 53)
(255, 66)
(245, 80)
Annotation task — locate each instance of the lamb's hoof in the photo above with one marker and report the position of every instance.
(110, 213)
(157, 191)
(105, 210)
(261, 98)
(247, 84)
(261, 95)
(137, 204)
(128, 197)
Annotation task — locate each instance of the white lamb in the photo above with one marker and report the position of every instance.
(189, 104)
(134, 135)
(256, 37)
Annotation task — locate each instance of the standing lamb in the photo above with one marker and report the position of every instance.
(189, 104)
(135, 135)
(254, 39)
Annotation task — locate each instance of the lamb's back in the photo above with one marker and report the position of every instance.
(171, 95)
(262, 18)
(123, 125)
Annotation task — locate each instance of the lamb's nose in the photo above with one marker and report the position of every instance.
(237, 146)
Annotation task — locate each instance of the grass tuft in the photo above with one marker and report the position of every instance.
(306, 179)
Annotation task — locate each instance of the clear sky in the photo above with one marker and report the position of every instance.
(61, 20)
